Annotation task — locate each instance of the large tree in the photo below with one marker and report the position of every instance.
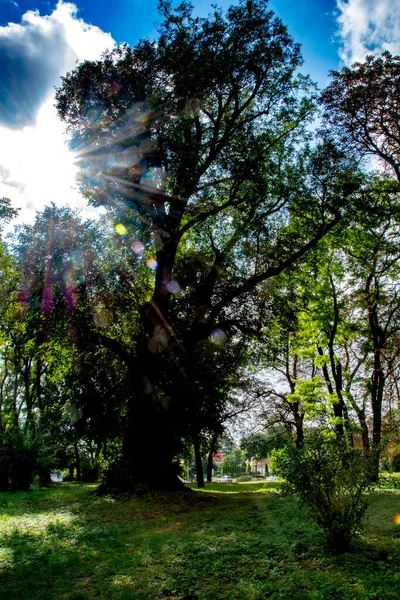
(197, 144)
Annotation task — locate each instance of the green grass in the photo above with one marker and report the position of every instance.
(240, 541)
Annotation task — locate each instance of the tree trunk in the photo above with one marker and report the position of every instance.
(29, 420)
(199, 463)
(211, 452)
(377, 388)
(378, 376)
(209, 466)
(299, 430)
(77, 461)
(364, 432)
(39, 385)
(152, 436)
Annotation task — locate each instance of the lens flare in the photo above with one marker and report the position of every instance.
(174, 288)
(70, 288)
(137, 247)
(159, 341)
(397, 519)
(218, 336)
(151, 263)
(121, 229)
(103, 317)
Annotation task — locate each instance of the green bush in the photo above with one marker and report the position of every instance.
(389, 480)
(244, 478)
(21, 457)
(331, 479)
(17, 461)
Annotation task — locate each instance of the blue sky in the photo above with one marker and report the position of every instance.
(311, 22)
(42, 40)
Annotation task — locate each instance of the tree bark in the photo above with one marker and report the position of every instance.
(364, 432)
(211, 453)
(199, 463)
(77, 461)
(378, 376)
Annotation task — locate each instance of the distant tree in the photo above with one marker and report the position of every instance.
(7, 212)
(363, 104)
(260, 445)
(340, 360)
(234, 462)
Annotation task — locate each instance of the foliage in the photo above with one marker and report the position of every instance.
(396, 463)
(234, 463)
(331, 478)
(7, 213)
(363, 104)
(312, 395)
(338, 361)
(260, 445)
(21, 457)
(57, 380)
(389, 479)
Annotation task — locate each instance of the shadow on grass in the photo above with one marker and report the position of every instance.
(66, 543)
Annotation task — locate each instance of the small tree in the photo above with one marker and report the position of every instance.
(331, 478)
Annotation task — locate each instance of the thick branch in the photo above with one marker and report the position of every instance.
(253, 281)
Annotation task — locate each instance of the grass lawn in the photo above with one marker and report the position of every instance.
(230, 541)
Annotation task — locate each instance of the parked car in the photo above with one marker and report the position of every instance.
(226, 479)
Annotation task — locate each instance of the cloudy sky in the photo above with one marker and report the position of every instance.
(40, 41)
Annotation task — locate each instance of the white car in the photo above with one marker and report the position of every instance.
(226, 479)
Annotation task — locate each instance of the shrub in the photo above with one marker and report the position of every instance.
(21, 457)
(244, 478)
(17, 461)
(389, 480)
(331, 479)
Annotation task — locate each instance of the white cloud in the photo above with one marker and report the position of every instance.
(36, 167)
(86, 41)
(35, 52)
(368, 27)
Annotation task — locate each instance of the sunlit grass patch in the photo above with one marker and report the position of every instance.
(37, 524)
(245, 487)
